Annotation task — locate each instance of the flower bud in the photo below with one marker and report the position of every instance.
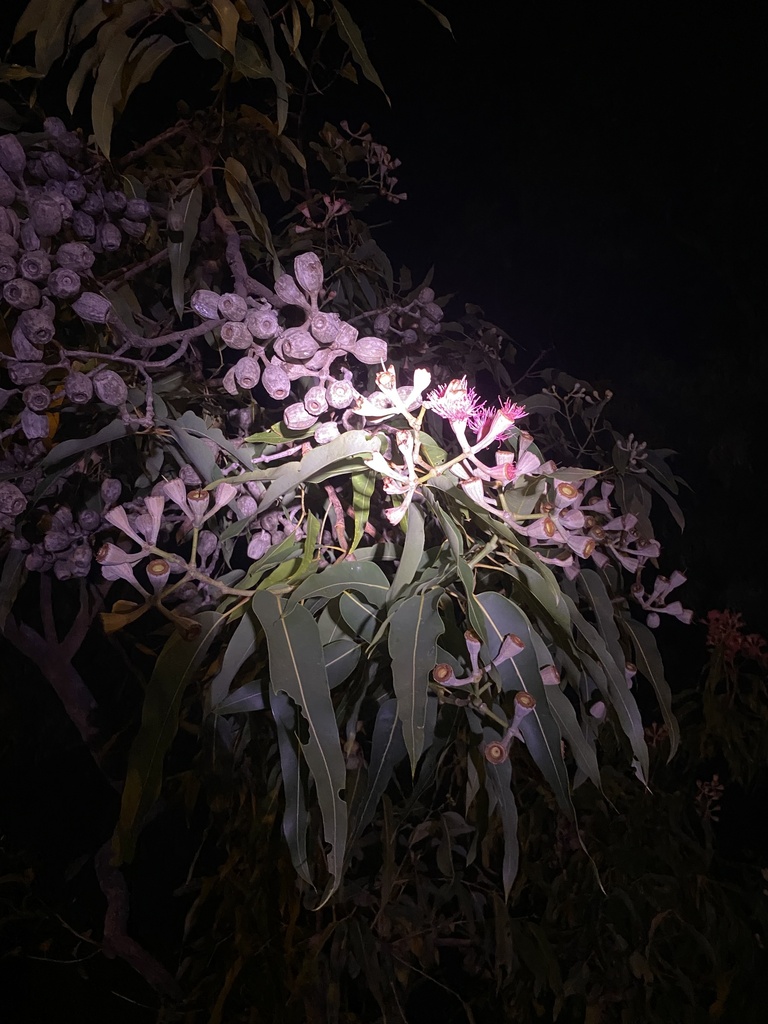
(110, 387)
(426, 295)
(13, 159)
(55, 166)
(340, 394)
(206, 304)
(110, 491)
(89, 520)
(7, 190)
(33, 425)
(158, 571)
(21, 294)
(326, 432)
(246, 506)
(298, 345)
(132, 228)
(247, 372)
(276, 382)
(45, 216)
(236, 335)
(109, 237)
(115, 202)
(27, 373)
(76, 256)
(296, 417)
(434, 312)
(93, 204)
(232, 306)
(286, 289)
(262, 323)
(75, 191)
(8, 269)
(36, 397)
(137, 209)
(57, 540)
(207, 543)
(92, 308)
(12, 501)
(382, 323)
(198, 501)
(34, 266)
(258, 545)
(325, 327)
(69, 145)
(78, 388)
(370, 350)
(308, 271)
(315, 401)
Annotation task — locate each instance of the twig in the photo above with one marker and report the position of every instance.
(169, 133)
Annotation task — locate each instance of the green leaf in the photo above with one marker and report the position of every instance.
(107, 90)
(229, 20)
(173, 672)
(387, 751)
(293, 771)
(365, 578)
(152, 54)
(178, 252)
(363, 486)
(613, 685)
(358, 616)
(498, 782)
(649, 664)
(539, 729)
(262, 17)
(413, 633)
(440, 17)
(249, 60)
(318, 461)
(246, 204)
(341, 658)
(241, 645)
(412, 552)
(112, 432)
(49, 20)
(350, 33)
(297, 669)
(249, 697)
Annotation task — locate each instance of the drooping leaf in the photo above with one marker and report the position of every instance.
(107, 90)
(649, 664)
(498, 781)
(154, 50)
(240, 646)
(413, 633)
(297, 668)
(293, 772)
(249, 697)
(365, 578)
(324, 458)
(439, 15)
(340, 658)
(229, 20)
(66, 449)
(263, 21)
(48, 19)
(173, 672)
(246, 203)
(363, 486)
(188, 208)
(387, 752)
(351, 35)
(413, 549)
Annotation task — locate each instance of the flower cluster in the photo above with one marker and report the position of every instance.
(725, 632)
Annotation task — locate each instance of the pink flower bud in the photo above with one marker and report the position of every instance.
(309, 273)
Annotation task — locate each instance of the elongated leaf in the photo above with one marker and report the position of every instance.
(340, 658)
(246, 203)
(649, 664)
(539, 729)
(241, 645)
(594, 589)
(249, 697)
(413, 633)
(440, 17)
(387, 752)
(365, 578)
(358, 616)
(293, 770)
(154, 51)
(363, 486)
(229, 19)
(316, 462)
(350, 33)
(48, 19)
(107, 90)
(613, 685)
(249, 60)
(498, 782)
(178, 252)
(297, 669)
(173, 672)
(412, 552)
(263, 20)
(112, 432)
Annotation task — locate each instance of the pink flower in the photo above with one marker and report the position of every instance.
(457, 403)
(496, 424)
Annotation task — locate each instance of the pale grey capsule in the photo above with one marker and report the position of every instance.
(340, 394)
(7, 189)
(64, 283)
(45, 216)
(9, 222)
(262, 323)
(296, 417)
(276, 382)
(298, 345)
(56, 540)
(12, 501)
(36, 325)
(229, 382)
(8, 244)
(13, 159)
(137, 209)
(68, 144)
(287, 290)
(92, 307)
(115, 202)
(54, 127)
(55, 166)
(78, 387)
(247, 372)
(33, 425)
(8, 269)
(326, 432)
(28, 237)
(36, 397)
(27, 373)
(21, 294)
(110, 387)
(382, 323)
(89, 519)
(236, 335)
(315, 401)
(75, 191)
(434, 312)
(346, 337)
(232, 306)
(34, 266)
(23, 348)
(370, 351)
(426, 295)
(133, 228)
(83, 225)
(110, 491)
(109, 236)
(93, 204)
(205, 303)
(246, 506)
(325, 327)
(75, 255)
(308, 271)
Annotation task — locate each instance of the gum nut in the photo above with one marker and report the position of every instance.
(93, 204)
(276, 382)
(8, 268)
(325, 327)
(262, 324)
(45, 216)
(92, 308)
(287, 290)
(236, 335)
(132, 228)
(110, 237)
(75, 255)
(34, 266)
(370, 351)
(83, 225)
(308, 271)
(21, 294)
(110, 387)
(115, 202)
(137, 209)
(232, 306)
(205, 303)
(55, 166)
(78, 388)
(13, 159)
(296, 417)
(12, 501)
(36, 326)
(75, 191)
(298, 345)
(7, 189)
(64, 283)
